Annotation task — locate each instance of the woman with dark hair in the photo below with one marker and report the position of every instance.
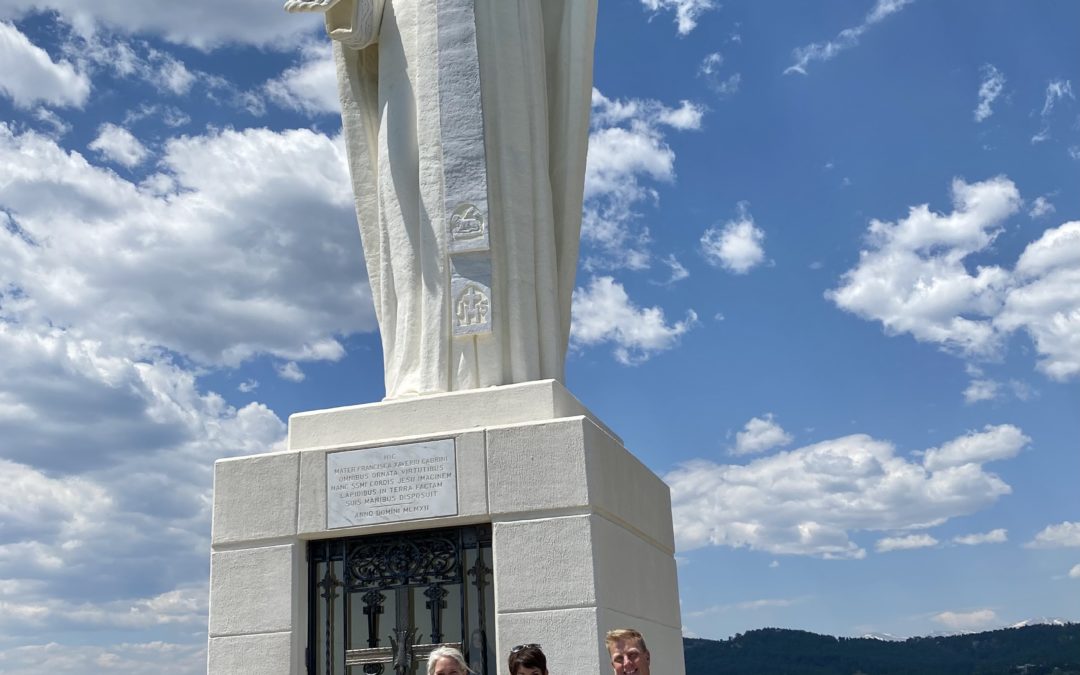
(527, 660)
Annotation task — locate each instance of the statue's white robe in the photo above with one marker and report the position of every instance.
(535, 59)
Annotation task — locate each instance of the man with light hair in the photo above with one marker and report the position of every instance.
(629, 655)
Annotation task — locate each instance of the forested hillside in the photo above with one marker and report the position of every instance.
(1031, 650)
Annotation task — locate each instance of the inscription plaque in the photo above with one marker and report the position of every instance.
(391, 483)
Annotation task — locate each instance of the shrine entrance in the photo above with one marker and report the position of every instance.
(378, 605)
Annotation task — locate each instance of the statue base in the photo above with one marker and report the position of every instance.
(581, 531)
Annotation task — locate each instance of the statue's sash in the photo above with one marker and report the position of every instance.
(461, 122)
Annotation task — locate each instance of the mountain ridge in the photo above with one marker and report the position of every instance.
(1039, 649)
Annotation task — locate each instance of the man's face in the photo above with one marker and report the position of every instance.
(628, 658)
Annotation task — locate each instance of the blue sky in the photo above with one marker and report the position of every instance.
(829, 290)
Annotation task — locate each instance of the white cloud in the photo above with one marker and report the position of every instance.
(603, 313)
(1041, 207)
(845, 39)
(914, 280)
(722, 86)
(1062, 535)
(967, 621)
(30, 76)
(810, 500)
(627, 152)
(737, 246)
(220, 270)
(290, 371)
(760, 434)
(992, 443)
(913, 277)
(311, 86)
(119, 145)
(687, 12)
(248, 386)
(687, 117)
(908, 542)
(678, 271)
(1045, 300)
(992, 85)
(981, 390)
(1074, 573)
(121, 659)
(710, 65)
(748, 605)
(204, 24)
(998, 536)
(57, 126)
(1056, 91)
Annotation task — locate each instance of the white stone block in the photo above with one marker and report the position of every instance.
(255, 497)
(569, 637)
(543, 564)
(256, 590)
(664, 642)
(634, 576)
(436, 414)
(624, 488)
(537, 467)
(265, 654)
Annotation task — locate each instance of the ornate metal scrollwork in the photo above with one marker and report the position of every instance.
(393, 561)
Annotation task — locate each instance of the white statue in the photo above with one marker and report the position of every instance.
(467, 126)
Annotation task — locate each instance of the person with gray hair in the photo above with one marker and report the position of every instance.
(446, 661)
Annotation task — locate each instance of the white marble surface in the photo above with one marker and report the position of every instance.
(482, 103)
(582, 533)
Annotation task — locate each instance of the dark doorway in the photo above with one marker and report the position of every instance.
(379, 604)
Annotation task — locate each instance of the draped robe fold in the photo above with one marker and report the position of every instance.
(535, 66)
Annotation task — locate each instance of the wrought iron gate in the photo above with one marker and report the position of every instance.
(388, 600)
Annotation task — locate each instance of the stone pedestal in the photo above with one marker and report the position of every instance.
(582, 534)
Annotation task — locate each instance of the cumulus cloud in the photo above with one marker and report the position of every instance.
(121, 659)
(220, 270)
(204, 24)
(913, 280)
(737, 246)
(981, 390)
(119, 145)
(846, 39)
(998, 536)
(1062, 535)
(1041, 207)
(993, 83)
(993, 443)
(1074, 573)
(30, 76)
(760, 434)
(905, 543)
(290, 371)
(1045, 300)
(604, 314)
(811, 500)
(311, 86)
(967, 621)
(687, 12)
(627, 155)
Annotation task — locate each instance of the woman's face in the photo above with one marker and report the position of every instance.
(525, 670)
(447, 666)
